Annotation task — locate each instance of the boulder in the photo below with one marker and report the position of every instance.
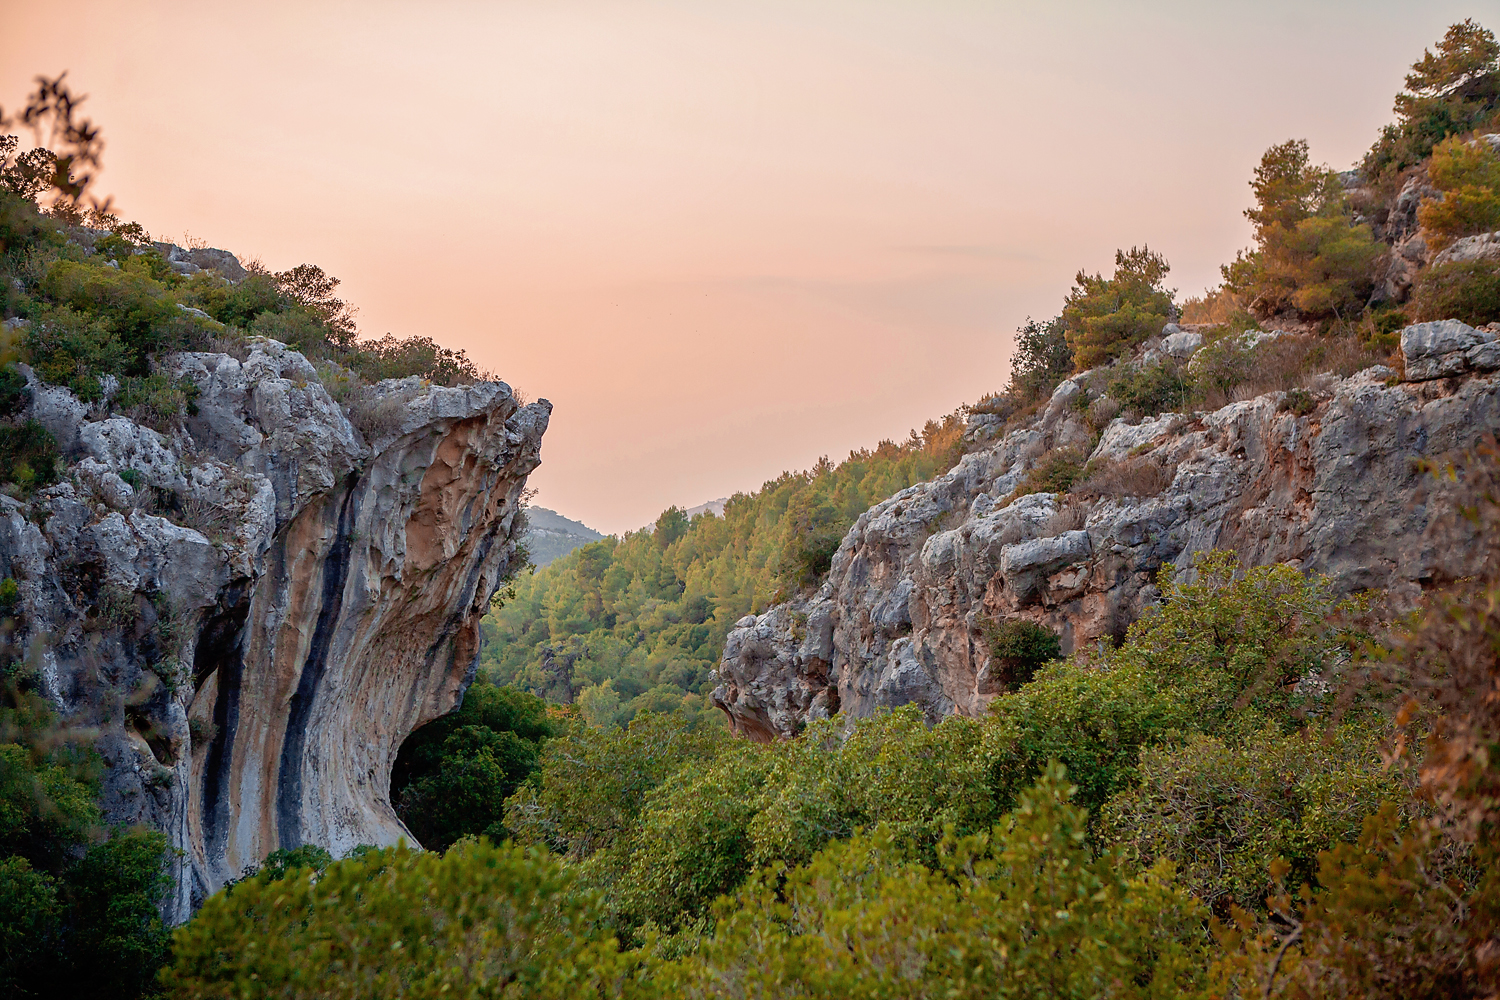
(1182, 343)
(1445, 348)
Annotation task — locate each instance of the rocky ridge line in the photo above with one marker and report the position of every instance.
(920, 577)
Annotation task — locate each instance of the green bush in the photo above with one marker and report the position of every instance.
(479, 921)
(1042, 360)
(1057, 471)
(28, 454)
(284, 862)
(1221, 810)
(73, 349)
(1148, 390)
(13, 393)
(1103, 318)
(1466, 290)
(1018, 647)
(594, 781)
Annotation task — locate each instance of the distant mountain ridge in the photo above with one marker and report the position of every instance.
(714, 507)
(550, 536)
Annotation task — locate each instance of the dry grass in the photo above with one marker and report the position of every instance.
(209, 519)
(1145, 476)
(232, 343)
(377, 415)
(1072, 515)
(1287, 363)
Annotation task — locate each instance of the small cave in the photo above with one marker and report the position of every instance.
(140, 722)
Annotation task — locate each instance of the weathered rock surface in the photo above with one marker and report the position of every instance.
(902, 617)
(256, 607)
(1485, 246)
(1446, 348)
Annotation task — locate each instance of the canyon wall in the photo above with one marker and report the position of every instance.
(251, 607)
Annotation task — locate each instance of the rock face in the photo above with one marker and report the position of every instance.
(1447, 348)
(920, 577)
(255, 607)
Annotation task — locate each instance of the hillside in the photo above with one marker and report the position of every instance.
(550, 536)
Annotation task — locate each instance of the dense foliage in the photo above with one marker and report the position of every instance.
(1204, 811)
(1105, 317)
(452, 776)
(1311, 256)
(633, 624)
(663, 820)
(78, 901)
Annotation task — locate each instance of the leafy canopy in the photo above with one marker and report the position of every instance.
(1311, 257)
(1448, 92)
(1105, 317)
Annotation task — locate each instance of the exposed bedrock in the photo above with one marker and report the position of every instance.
(903, 614)
(254, 609)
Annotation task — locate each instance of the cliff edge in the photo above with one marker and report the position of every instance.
(254, 606)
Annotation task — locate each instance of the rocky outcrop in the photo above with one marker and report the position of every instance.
(1447, 348)
(254, 606)
(1323, 479)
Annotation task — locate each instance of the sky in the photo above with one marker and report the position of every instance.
(723, 238)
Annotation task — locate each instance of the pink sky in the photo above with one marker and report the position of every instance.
(722, 238)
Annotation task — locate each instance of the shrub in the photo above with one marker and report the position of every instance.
(1103, 318)
(1222, 809)
(1465, 290)
(395, 357)
(1018, 647)
(1147, 390)
(1043, 358)
(1298, 402)
(287, 861)
(13, 392)
(593, 781)
(28, 456)
(73, 349)
(1055, 473)
(694, 842)
(1468, 175)
(478, 921)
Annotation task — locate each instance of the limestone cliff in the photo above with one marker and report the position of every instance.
(1324, 479)
(254, 607)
